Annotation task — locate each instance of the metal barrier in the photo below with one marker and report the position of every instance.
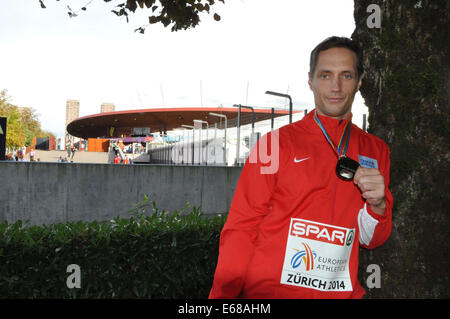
(202, 152)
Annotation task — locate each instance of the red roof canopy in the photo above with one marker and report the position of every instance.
(160, 120)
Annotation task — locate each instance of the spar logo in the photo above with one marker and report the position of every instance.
(320, 232)
(306, 256)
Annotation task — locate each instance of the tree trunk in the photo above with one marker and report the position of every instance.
(406, 88)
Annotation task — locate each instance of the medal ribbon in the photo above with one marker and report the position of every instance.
(345, 136)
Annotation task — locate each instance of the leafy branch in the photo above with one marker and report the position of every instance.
(179, 14)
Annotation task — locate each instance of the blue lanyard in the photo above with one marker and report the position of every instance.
(345, 136)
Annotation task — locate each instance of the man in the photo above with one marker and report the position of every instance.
(73, 150)
(69, 149)
(295, 233)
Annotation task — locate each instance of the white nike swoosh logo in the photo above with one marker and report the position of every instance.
(300, 160)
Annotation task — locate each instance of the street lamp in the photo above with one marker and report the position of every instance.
(225, 149)
(286, 96)
(191, 127)
(239, 106)
(182, 142)
(207, 128)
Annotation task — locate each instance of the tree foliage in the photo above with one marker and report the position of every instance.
(179, 14)
(22, 123)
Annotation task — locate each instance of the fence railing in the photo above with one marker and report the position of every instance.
(204, 152)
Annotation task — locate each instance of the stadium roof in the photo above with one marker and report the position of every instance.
(160, 120)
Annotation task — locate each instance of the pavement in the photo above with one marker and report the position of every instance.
(83, 157)
(79, 156)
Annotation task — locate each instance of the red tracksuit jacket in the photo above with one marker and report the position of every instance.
(294, 231)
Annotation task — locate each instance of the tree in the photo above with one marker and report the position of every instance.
(406, 88)
(181, 14)
(15, 137)
(31, 125)
(22, 123)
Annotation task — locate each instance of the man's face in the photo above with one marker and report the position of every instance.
(334, 82)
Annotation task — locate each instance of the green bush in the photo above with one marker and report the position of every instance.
(152, 254)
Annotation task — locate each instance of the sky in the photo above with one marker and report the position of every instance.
(47, 58)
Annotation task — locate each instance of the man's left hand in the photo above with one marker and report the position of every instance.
(371, 184)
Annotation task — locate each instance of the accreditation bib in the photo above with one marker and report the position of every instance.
(318, 256)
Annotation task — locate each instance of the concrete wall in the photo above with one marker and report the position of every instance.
(45, 193)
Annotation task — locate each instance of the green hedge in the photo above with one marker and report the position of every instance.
(153, 254)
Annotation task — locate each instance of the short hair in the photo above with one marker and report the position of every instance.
(337, 42)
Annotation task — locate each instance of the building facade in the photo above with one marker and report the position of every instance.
(72, 113)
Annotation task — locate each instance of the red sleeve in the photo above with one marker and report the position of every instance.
(382, 223)
(251, 202)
